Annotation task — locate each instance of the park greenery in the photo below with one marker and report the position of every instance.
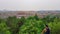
(29, 25)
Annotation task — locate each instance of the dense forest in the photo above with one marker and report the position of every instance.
(30, 25)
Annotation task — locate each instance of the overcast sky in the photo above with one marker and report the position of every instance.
(30, 4)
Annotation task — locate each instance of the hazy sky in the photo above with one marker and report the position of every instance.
(30, 4)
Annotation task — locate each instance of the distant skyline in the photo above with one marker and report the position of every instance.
(26, 5)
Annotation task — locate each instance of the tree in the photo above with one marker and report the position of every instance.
(36, 17)
(31, 27)
(12, 23)
(3, 28)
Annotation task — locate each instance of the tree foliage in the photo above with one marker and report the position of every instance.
(30, 25)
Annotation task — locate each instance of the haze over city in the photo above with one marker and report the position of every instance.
(27, 5)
